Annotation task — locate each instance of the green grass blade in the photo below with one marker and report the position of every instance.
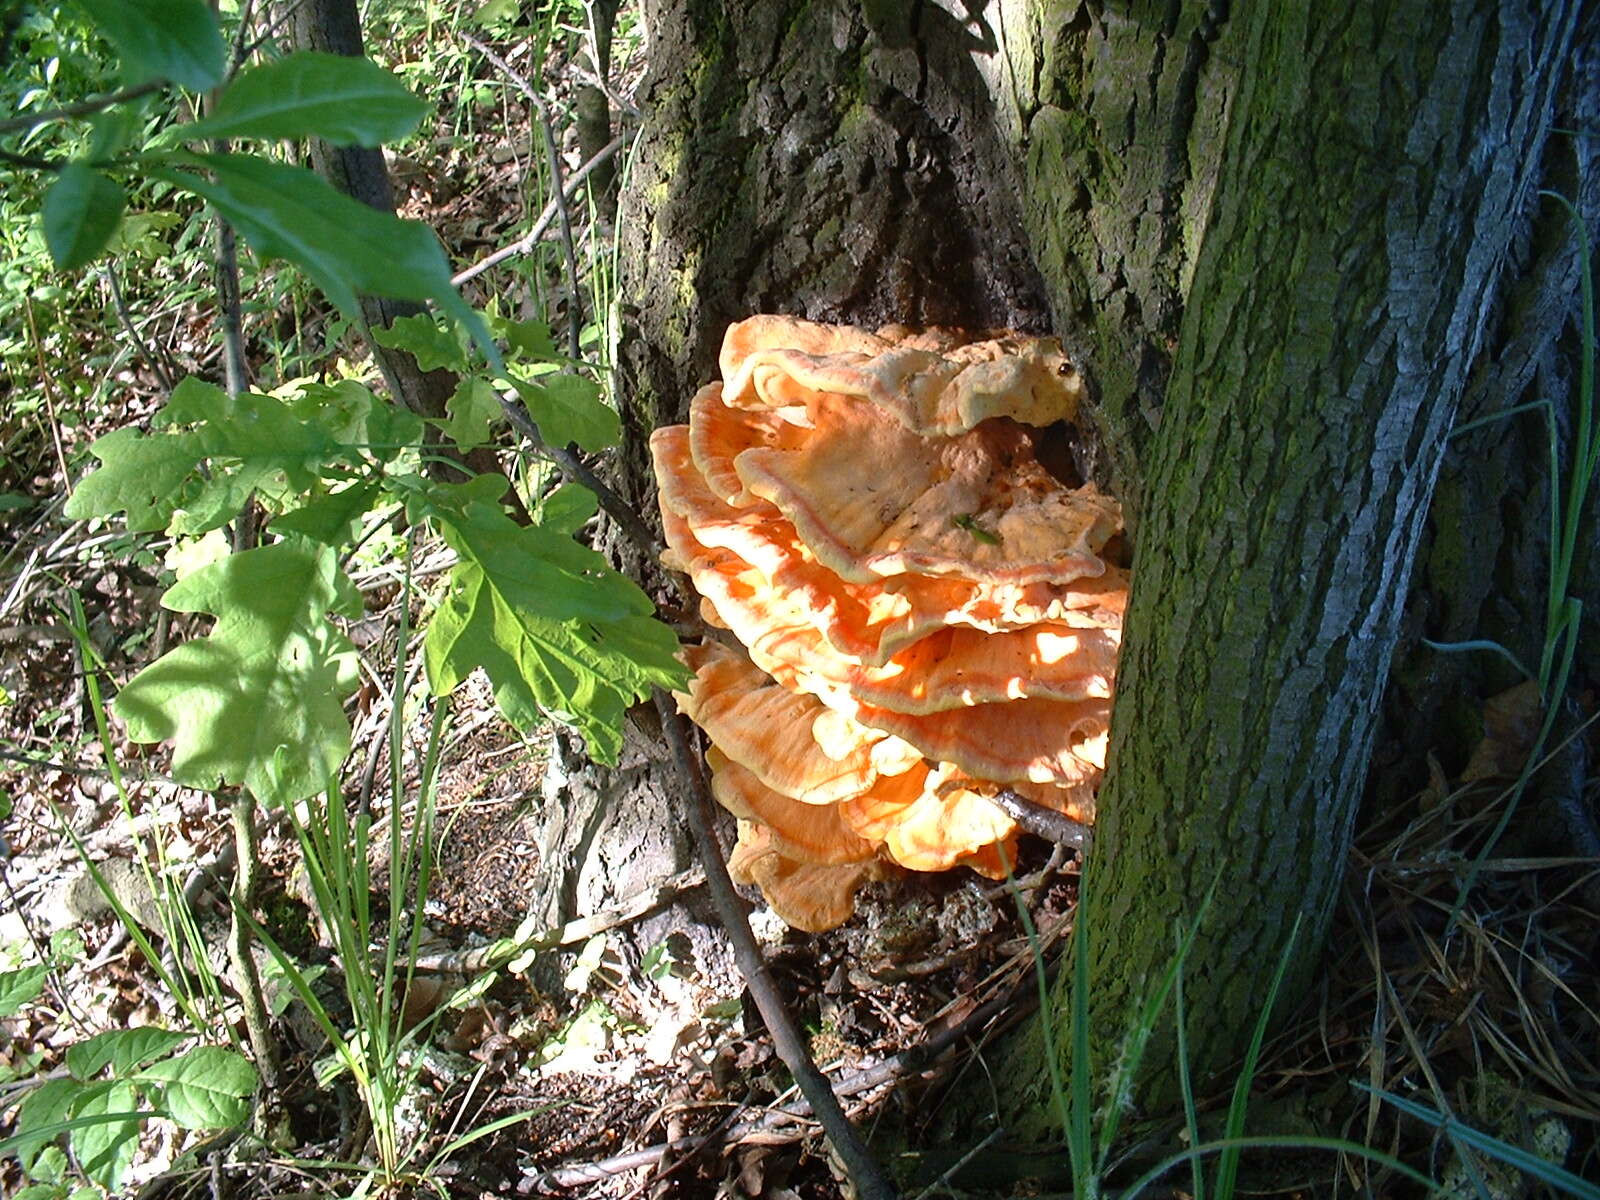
(1279, 1142)
(1084, 1166)
(1186, 1086)
(1052, 1059)
(1138, 1037)
(1479, 644)
(1228, 1163)
(1547, 1173)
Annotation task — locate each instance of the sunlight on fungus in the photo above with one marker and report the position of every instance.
(923, 609)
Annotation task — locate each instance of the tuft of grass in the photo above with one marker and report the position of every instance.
(1091, 1134)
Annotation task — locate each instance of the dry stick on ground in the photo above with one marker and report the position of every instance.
(1044, 822)
(553, 153)
(863, 1169)
(1016, 1002)
(497, 954)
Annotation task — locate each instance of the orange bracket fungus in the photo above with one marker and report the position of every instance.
(926, 618)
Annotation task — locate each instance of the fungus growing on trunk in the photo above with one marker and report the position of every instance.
(925, 610)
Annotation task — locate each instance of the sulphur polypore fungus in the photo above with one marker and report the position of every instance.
(925, 610)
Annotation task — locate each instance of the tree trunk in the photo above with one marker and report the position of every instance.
(1275, 247)
(1348, 273)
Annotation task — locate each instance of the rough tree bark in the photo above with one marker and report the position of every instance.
(1281, 247)
(1379, 163)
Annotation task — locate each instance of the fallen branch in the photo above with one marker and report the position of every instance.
(498, 953)
(870, 1182)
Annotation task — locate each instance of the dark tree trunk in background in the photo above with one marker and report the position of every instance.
(334, 27)
(1287, 251)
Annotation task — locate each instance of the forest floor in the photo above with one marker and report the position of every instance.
(634, 1076)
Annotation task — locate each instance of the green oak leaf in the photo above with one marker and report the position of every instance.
(541, 569)
(474, 407)
(530, 338)
(162, 39)
(568, 508)
(342, 408)
(344, 246)
(207, 1088)
(81, 211)
(249, 440)
(142, 475)
(258, 701)
(340, 99)
(433, 345)
(557, 630)
(330, 519)
(568, 408)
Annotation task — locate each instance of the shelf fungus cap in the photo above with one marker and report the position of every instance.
(870, 620)
(935, 386)
(979, 506)
(926, 611)
(807, 896)
(788, 740)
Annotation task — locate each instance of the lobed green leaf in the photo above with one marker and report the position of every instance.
(433, 345)
(558, 632)
(81, 211)
(330, 519)
(568, 408)
(344, 100)
(143, 476)
(251, 441)
(258, 701)
(474, 407)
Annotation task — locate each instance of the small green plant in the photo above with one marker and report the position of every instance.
(86, 1122)
(381, 1050)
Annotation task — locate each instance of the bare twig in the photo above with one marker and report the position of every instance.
(546, 217)
(1045, 822)
(48, 388)
(483, 958)
(864, 1172)
(82, 108)
(575, 469)
(246, 979)
(32, 161)
(165, 369)
(553, 153)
